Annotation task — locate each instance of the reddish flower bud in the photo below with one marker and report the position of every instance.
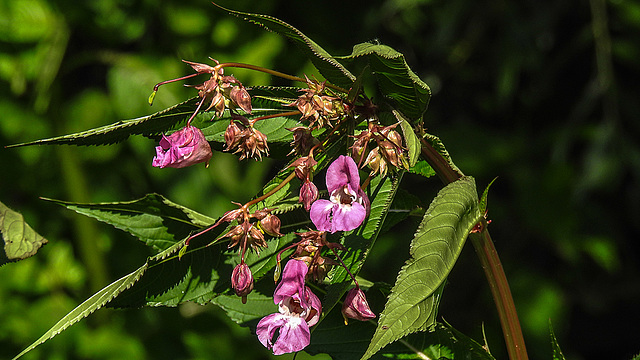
(242, 281)
(355, 306)
(183, 148)
(232, 136)
(240, 97)
(308, 194)
(271, 225)
(303, 140)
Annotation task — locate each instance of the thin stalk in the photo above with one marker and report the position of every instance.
(490, 262)
(275, 73)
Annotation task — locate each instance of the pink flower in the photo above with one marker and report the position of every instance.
(348, 204)
(183, 148)
(298, 308)
(355, 306)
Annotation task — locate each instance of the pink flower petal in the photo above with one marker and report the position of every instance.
(347, 217)
(343, 171)
(320, 214)
(292, 280)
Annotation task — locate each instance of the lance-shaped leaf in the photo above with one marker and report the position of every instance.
(149, 125)
(410, 138)
(555, 347)
(153, 219)
(20, 240)
(434, 250)
(395, 79)
(90, 305)
(326, 64)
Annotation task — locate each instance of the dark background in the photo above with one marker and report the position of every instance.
(542, 95)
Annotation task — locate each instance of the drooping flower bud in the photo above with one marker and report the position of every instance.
(355, 306)
(242, 281)
(303, 140)
(271, 225)
(241, 97)
(183, 148)
(308, 194)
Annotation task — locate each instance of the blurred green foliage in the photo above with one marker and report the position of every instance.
(541, 95)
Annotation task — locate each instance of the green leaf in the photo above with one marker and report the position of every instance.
(20, 240)
(485, 196)
(326, 64)
(149, 125)
(439, 147)
(397, 82)
(555, 347)
(342, 342)
(153, 219)
(423, 168)
(90, 305)
(411, 140)
(434, 250)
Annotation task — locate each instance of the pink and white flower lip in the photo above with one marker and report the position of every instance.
(183, 148)
(348, 205)
(298, 307)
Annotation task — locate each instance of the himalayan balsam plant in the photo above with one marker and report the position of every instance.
(303, 238)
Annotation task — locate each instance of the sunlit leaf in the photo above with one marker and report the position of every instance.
(20, 240)
(434, 250)
(411, 140)
(149, 125)
(154, 220)
(90, 305)
(397, 82)
(326, 64)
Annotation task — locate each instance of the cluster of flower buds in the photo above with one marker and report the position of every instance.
(387, 152)
(247, 235)
(242, 137)
(220, 91)
(318, 107)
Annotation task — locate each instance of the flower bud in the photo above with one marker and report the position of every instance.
(355, 306)
(241, 97)
(183, 148)
(271, 225)
(232, 135)
(308, 194)
(242, 281)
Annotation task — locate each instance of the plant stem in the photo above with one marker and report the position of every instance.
(501, 294)
(275, 73)
(490, 262)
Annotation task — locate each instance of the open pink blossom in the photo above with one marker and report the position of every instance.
(348, 205)
(298, 307)
(183, 148)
